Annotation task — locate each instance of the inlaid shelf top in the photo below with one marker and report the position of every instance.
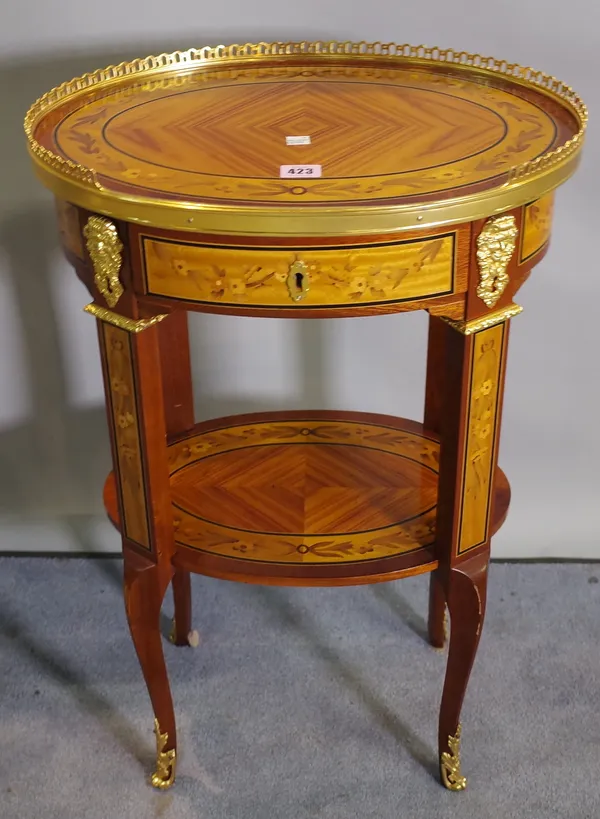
(342, 497)
(388, 137)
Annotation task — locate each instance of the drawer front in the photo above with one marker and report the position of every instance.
(537, 226)
(303, 277)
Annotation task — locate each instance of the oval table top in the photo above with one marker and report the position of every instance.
(293, 139)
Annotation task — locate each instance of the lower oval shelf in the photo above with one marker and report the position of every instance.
(299, 498)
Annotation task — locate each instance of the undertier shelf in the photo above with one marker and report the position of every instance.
(320, 498)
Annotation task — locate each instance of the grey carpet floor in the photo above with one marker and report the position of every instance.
(299, 702)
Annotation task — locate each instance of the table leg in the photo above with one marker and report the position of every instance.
(182, 634)
(178, 395)
(432, 419)
(178, 400)
(470, 430)
(145, 586)
(133, 388)
(466, 593)
(437, 611)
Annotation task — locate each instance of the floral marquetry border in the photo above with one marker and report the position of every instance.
(121, 393)
(417, 268)
(481, 438)
(387, 439)
(219, 540)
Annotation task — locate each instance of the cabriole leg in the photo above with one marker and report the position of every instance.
(182, 634)
(437, 612)
(466, 593)
(469, 428)
(145, 587)
(133, 387)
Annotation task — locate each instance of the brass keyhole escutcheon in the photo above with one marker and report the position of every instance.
(297, 280)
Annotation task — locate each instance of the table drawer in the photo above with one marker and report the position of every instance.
(384, 273)
(537, 226)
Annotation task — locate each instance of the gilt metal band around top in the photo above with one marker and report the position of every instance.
(526, 181)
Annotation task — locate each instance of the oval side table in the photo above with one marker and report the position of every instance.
(306, 180)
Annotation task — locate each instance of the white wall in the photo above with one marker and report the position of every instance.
(53, 441)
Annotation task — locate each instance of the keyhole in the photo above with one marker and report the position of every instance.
(297, 280)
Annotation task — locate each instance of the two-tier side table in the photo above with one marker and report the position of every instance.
(306, 180)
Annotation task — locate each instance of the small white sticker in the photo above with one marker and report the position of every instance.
(299, 171)
(297, 140)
